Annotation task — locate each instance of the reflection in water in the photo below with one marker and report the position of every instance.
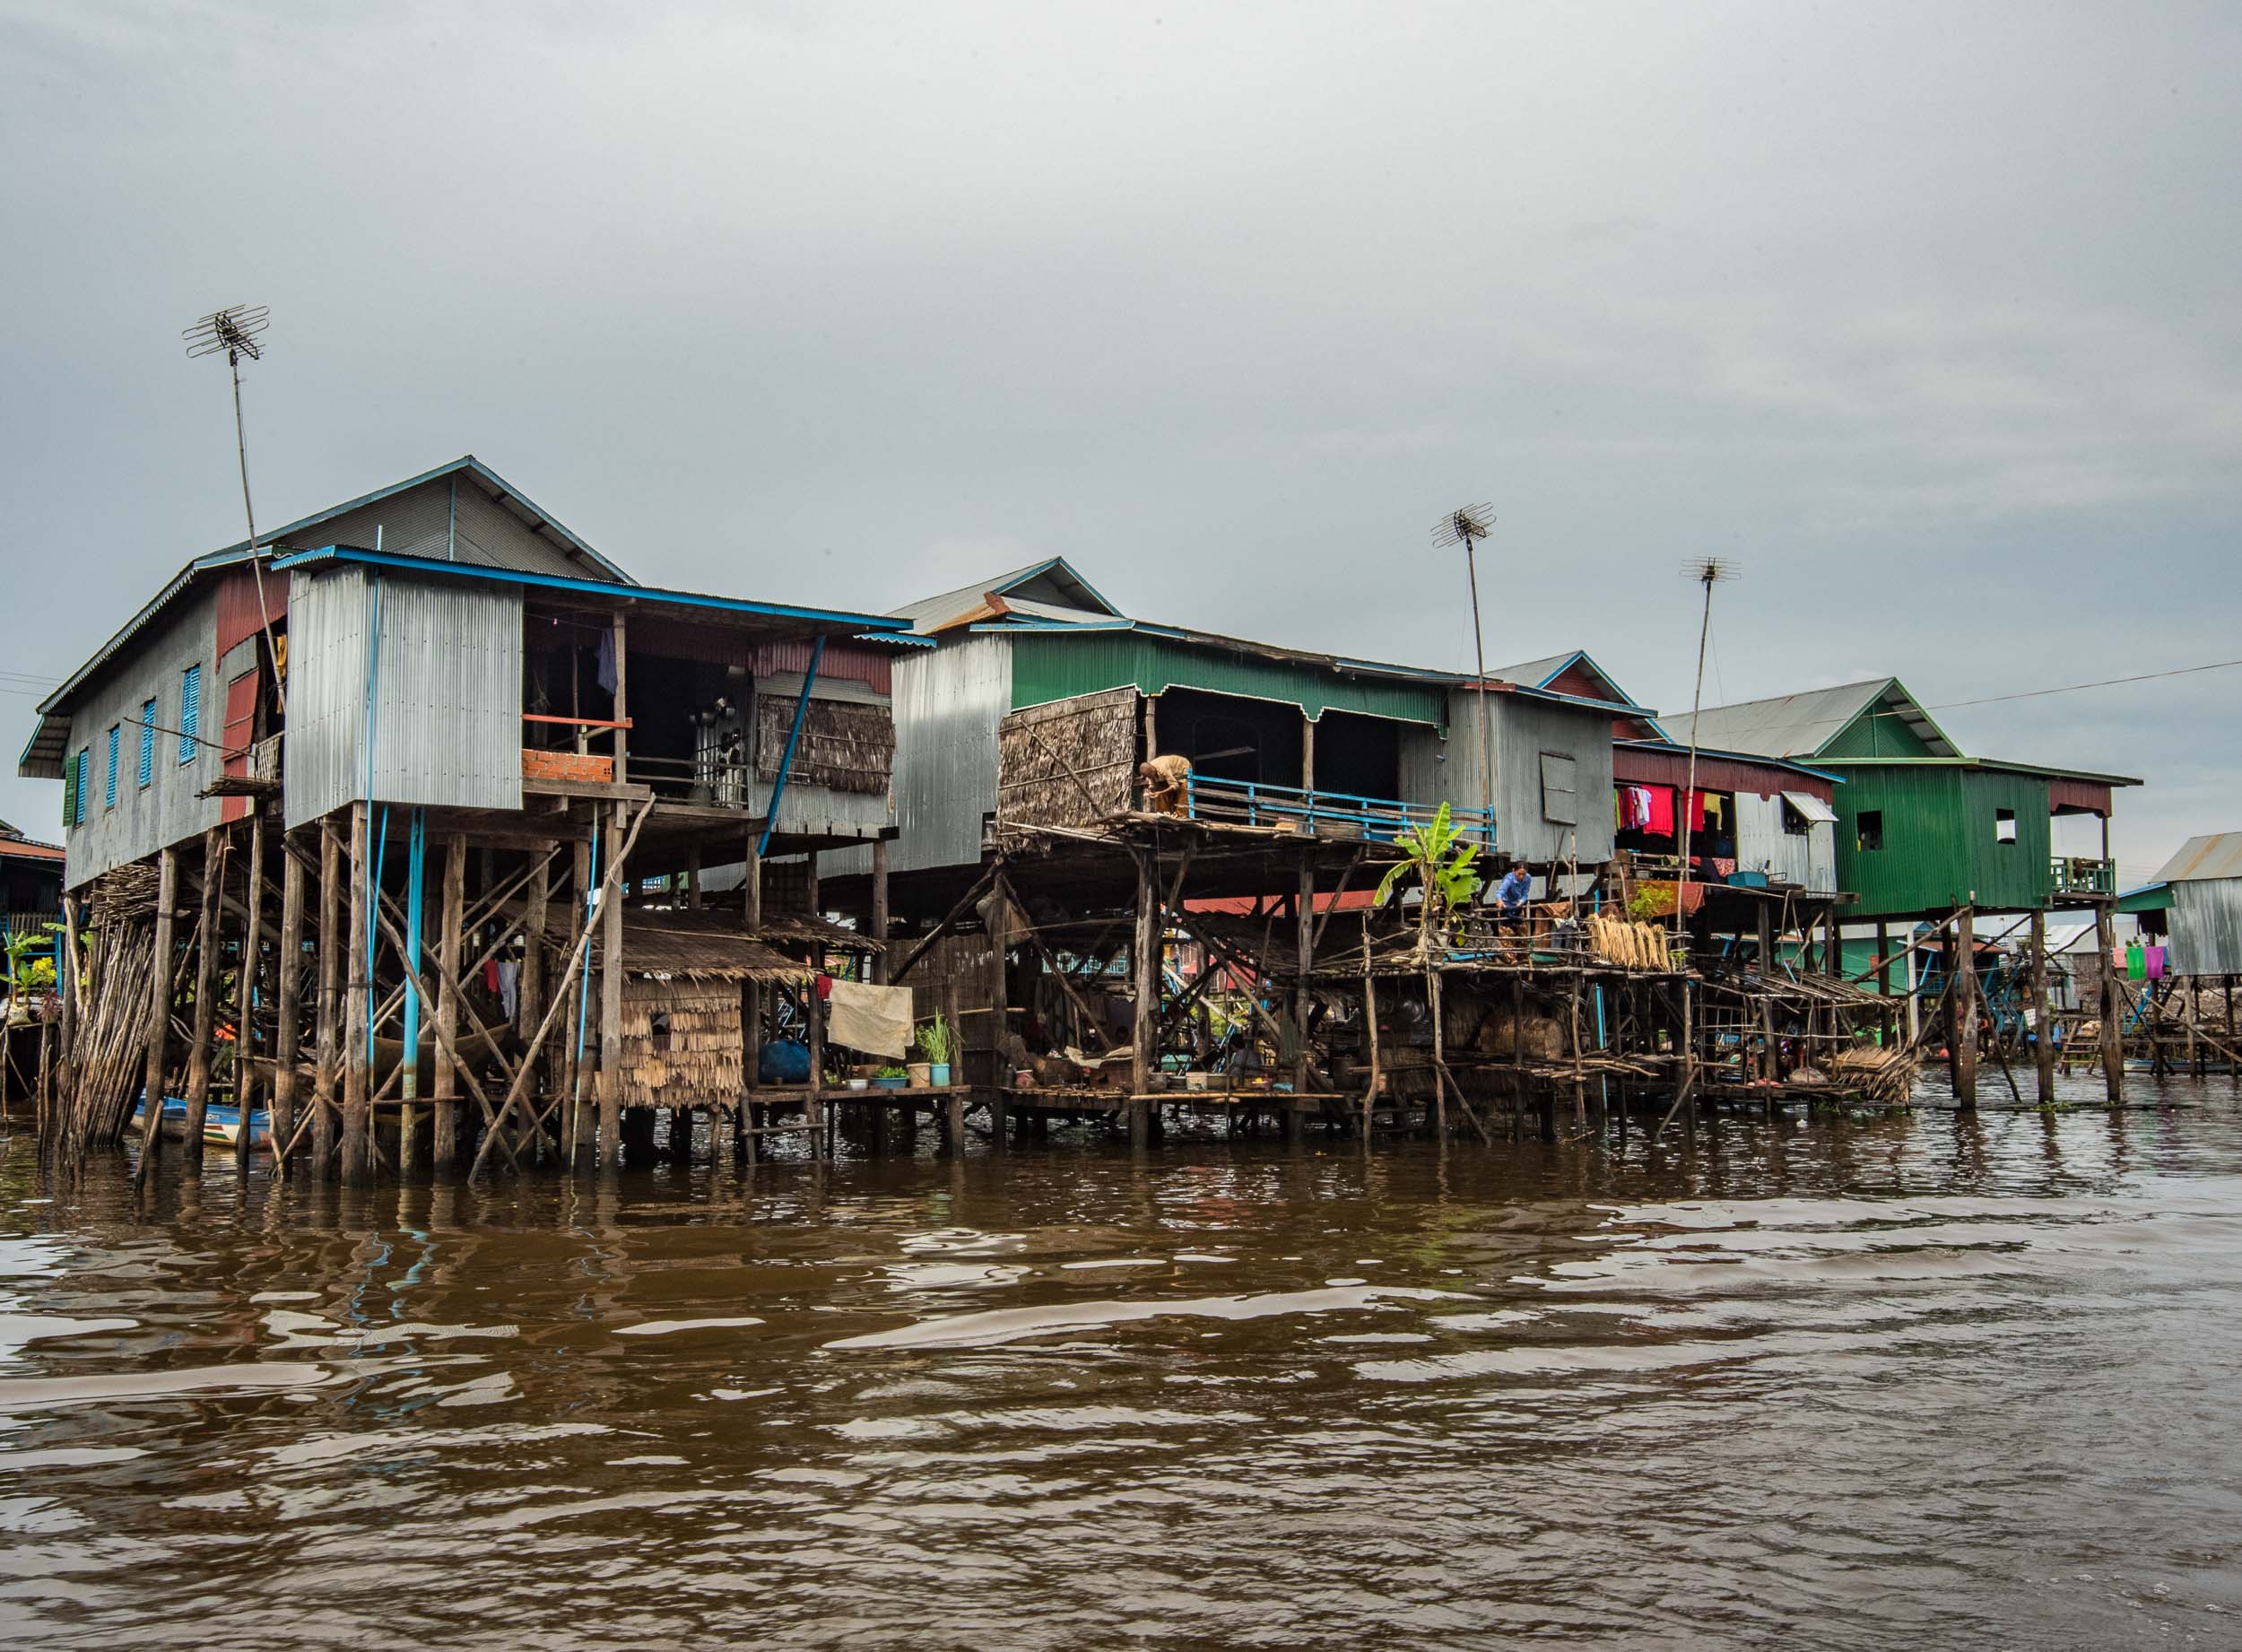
(1923, 1381)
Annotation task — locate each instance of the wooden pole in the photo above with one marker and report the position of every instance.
(245, 1084)
(568, 1058)
(1965, 1007)
(1000, 926)
(1769, 1058)
(288, 1033)
(529, 994)
(623, 696)
(1145, 956)
(208, 949)
(2113, 1032)
(611, 969)
(69, 975)
(159, 1016)
(443, 1099)
(358, 1113)
(1304, 925)
(953, 1104)
(328, 1073)
(2043, 1027)
(813, 1105)
(2194, 1015)
(752, 886)
(1370, 1033)
(879, 925)
(693, 875)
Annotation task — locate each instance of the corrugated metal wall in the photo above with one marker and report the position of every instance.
(2006, 875)
(1048, 666)
(1808, 858)
(948, 703)
(2206, 926)
(166, 810)
(1924, 865)
(1524, 730)
(446, 727)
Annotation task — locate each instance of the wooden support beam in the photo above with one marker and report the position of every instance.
(288, 1035)
(357, 1146)
(623, 700)
(443, 1098)
(245, 1005)
(878, 925)
(1304, 938)
(1369, 1033)
(611, 971)
(208, 947)
(751, 885)
(1965, 1010)
(327, 1077)
(965, 904)
(2043, 1025)
(159, 1016)
(1144, 958)
(693, 875)
(999, 911)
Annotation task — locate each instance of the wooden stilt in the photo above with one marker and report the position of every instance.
(568, 1058)
(879, 925)
(1145, 957)
(1304, 941)
(529, 993)
(611, 969)
(693, 875)
(288, 1033)
(69, 977)
(953, 1104)
(327, 1077)
(813, 1107)
(2042, 1023)
(357, 1146)
(752, 886)
(1965, 1007)
(159, 1016)
(1369, 1034)
(2112, 1032)
(246, 1007)
(443, 1098)
(1000, 928)
(208, 946)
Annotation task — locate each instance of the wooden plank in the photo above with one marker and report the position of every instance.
(207, 947)
(288, 1035)
(159, 1014)
(444, 1098)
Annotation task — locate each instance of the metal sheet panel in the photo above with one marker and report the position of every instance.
(166, 810)
(440, 705)
(2206, 926)
(948, 703)
(1807, 858)
(2215, 855)
(1524, 729)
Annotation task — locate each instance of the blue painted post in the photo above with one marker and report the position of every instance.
(415, 877)
(794, 734)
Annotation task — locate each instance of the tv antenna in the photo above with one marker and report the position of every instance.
(235, 331)
(1707, 572)
(1466, 526)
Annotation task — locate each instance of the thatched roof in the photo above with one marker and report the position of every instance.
(691, 946)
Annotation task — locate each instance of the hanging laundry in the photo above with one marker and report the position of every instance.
(1658, 817)
(2136, 963)
(607, 677)
(2154, 960)
(490, 976)
(509, 985)
(1634, 808)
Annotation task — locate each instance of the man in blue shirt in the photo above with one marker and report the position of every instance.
(1510, 897)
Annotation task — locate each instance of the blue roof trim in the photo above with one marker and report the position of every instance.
(870, 624)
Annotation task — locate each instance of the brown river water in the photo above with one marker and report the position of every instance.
(1930, 1380)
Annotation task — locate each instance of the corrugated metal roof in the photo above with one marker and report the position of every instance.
(872, 625)
(2214, 854)
(1801, 725)
(1057, 571)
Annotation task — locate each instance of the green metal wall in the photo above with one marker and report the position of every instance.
(1870, 736)
(1940, 849)
(1052, 666)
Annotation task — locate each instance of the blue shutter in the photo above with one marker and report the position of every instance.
(190, 707)
(116, 735)
(85, 776)
(147, 740)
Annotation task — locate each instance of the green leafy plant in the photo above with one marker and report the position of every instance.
(1445, 865)
(933, 1042)
(890, 1070)
(26, 973)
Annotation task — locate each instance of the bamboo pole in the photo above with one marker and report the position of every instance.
(327, 1076)
(2113, 1034)
(207, 951)
(358, 1113)
(2042, 1042)
(288, 1033)
(443, 1099)
(1963, 1024)
(159, 1017)
(1370, 1029)
(1143, 1052)
(1304, 924)
(244, 988)
(611, 969)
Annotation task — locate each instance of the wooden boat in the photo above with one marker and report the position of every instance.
(222, 1124)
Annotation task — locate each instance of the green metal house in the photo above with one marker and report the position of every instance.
(1922, 829)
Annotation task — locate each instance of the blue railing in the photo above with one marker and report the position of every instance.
(1253, 803)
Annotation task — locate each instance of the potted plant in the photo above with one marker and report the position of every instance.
(936, 1045)
(889, 1077)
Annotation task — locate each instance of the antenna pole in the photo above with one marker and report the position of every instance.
(235, 331)
(1486, 727)
(1697, 704)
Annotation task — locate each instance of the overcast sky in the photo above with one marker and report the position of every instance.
(1927, 315)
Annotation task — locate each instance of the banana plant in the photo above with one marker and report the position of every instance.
(1445, 864)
